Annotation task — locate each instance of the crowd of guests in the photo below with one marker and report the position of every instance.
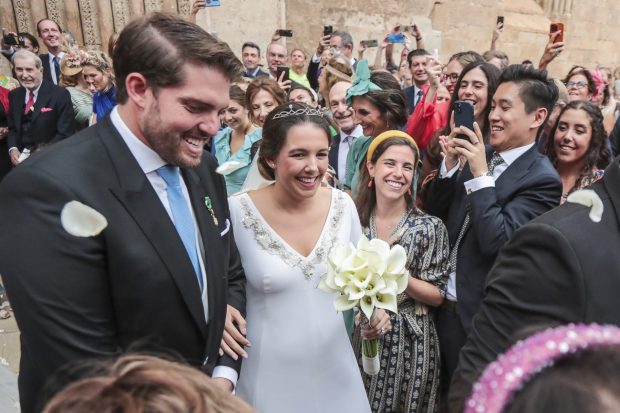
(335, 147)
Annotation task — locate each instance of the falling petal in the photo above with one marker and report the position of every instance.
(229, 167)
(588, 198)
(81, 220)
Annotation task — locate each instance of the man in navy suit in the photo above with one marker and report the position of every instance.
(500, 188)
(51, 34)
(164, 275)
(39, 111)
(417, 65)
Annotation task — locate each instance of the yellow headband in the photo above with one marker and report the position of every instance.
(388, 135)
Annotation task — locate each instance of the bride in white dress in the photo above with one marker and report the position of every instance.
(300, 359)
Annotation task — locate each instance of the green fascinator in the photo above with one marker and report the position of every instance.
(361, 84)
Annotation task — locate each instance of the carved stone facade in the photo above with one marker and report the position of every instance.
(448, 26)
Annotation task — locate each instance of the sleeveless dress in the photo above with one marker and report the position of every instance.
(301, 359)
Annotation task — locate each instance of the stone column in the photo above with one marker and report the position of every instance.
(23, 16)
(89, 16)
(73, 22)
(121, 14)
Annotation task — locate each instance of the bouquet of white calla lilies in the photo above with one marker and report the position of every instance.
(370, 276)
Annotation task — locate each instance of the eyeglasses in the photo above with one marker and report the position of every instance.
(577, 85)
(452, 76)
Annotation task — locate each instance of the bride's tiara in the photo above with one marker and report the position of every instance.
(306, 110)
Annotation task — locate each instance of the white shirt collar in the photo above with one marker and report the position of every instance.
(511, 155)
(356, 133)
(147, 158)
(36, 92)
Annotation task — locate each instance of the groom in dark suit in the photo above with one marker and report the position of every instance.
(501, 187)
(160, 275)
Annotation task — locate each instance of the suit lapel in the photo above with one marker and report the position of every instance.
(138, 197)
(333, 152)
(43, 99)
(611, 180)
(516, 171)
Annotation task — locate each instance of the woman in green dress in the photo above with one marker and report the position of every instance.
(408, 379)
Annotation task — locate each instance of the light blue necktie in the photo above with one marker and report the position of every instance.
(181, 214)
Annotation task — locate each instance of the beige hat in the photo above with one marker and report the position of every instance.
(70, 64)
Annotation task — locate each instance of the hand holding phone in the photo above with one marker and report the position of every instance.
(557, 27)
(500, 23)
(396, 38)
(328, 30)
(370, 43)
(285, 33)
(463, 116)
(285, 70)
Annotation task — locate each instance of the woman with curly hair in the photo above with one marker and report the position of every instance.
(579, 149)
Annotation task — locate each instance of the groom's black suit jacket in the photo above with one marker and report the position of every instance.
(133, 286)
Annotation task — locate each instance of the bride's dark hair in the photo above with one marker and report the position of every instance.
(276, 127)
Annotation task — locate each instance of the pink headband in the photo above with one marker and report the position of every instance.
(507, 375)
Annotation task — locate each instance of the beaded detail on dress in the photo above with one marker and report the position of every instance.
(266, 240)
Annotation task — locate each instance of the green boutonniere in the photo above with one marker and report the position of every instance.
(209, 206)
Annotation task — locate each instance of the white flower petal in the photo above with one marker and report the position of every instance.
(396, 260)
(387, 302)
(588, 198)
(229, 167)
(353, 292)
(390, 286)
(375, 285)
(367, 304)
(81, 220)
(342, 303)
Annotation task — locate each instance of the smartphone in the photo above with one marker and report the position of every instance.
(10, 40)
(405, 29)
(463, 116)
(557, 27)
(328, 30)
(371, 43)
(500, 23)
(285, 33)
(396, 38)
(286, 71)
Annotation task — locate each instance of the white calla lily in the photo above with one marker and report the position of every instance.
(81, 220)
(396, 260)
(376, 284)
(387, 302)
(361, 278)
(342, 303)
(367, 305)
(391, 286)
(401, 279)
(353, 292)
(339, 253)
(327, 284)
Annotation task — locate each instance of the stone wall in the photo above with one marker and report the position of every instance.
(447, 25)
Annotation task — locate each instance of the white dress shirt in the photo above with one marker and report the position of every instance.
(149, 161)
(475, 184)
(343, 150)
(52, 67)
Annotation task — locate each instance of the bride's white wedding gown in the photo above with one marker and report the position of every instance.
(301, 360)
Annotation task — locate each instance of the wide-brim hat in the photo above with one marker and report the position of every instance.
(70, 66)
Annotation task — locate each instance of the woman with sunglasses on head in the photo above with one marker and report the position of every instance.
(408, 380)
(579, 149)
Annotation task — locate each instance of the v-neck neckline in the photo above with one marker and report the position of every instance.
(285, 243)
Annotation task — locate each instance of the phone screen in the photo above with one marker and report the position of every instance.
(371, 43)
(328, 30)
(285, 33)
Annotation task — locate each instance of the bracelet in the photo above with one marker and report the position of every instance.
(487, 173)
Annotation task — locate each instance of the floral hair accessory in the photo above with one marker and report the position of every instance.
(509, 373)
(361, 84)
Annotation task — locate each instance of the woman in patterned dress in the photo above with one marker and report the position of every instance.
(579, 149)
(408, 380)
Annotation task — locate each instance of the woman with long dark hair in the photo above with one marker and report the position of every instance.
(579, 149)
